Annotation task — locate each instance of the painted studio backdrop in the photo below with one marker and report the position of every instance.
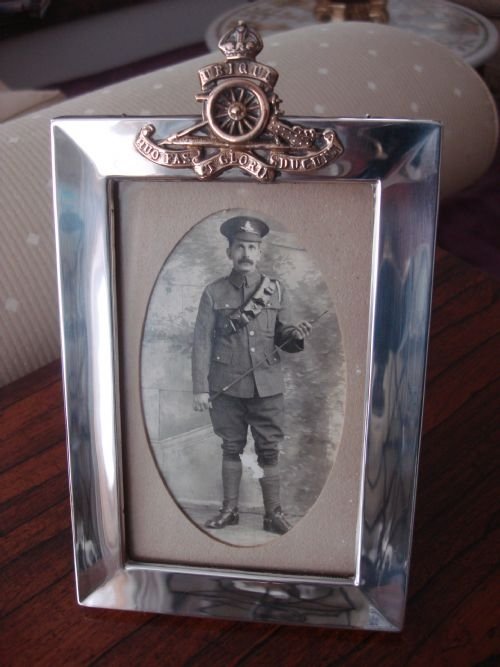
(186, 450)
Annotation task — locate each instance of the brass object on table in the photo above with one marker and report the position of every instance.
(242, 125)
(349, 10)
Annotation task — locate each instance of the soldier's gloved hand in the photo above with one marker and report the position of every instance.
(302, 330)
(201, 402)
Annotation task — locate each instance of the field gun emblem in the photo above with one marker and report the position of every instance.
(242, 125)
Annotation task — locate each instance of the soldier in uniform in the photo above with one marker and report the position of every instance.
(242, 319)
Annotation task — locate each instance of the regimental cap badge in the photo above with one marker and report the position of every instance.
(243, 228)
(247, 227)
(241, 124)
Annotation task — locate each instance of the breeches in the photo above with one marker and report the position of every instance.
(232, 416)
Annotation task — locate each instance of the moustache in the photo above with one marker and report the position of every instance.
(245, 261)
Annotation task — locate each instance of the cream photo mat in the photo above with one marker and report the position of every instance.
(334, 221)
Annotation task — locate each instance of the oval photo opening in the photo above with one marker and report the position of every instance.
(242, 377)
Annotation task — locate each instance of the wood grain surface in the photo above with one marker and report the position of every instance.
(453, 606)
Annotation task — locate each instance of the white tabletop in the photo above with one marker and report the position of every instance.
(468, 34)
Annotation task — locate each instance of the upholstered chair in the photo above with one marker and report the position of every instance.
(351, 69)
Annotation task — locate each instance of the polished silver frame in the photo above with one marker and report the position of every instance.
(402, 159)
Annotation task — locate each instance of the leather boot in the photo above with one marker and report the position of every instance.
(227, 516)
(276, 522)
(274, 519)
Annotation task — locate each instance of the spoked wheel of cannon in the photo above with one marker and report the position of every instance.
(237, 111)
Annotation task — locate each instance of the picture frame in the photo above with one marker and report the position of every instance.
(395, 164)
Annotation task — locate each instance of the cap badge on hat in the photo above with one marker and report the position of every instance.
(244, 228)
(248, 227)
(242, 125)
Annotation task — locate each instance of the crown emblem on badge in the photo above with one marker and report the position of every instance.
(240, 42)
(242, 125)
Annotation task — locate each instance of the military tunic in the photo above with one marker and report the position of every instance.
(220, 357)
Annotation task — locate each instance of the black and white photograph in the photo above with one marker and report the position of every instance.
(243, 377)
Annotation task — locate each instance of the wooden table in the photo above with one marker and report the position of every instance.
(453, 606)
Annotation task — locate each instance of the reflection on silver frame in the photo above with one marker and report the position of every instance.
(401, 158)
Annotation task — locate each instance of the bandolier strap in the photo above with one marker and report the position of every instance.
(253, 306)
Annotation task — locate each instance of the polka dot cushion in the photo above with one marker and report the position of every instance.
(349, 69)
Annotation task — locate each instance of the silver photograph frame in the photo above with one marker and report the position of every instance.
(401, 159)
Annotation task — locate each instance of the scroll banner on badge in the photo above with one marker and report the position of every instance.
(239, 68)
(311, 160)
(177, 159)
(248, 161)
(230, 157)
(263, 171)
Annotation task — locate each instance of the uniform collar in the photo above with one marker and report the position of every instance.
(238, 279)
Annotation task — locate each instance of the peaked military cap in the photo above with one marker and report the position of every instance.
(244, 228)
